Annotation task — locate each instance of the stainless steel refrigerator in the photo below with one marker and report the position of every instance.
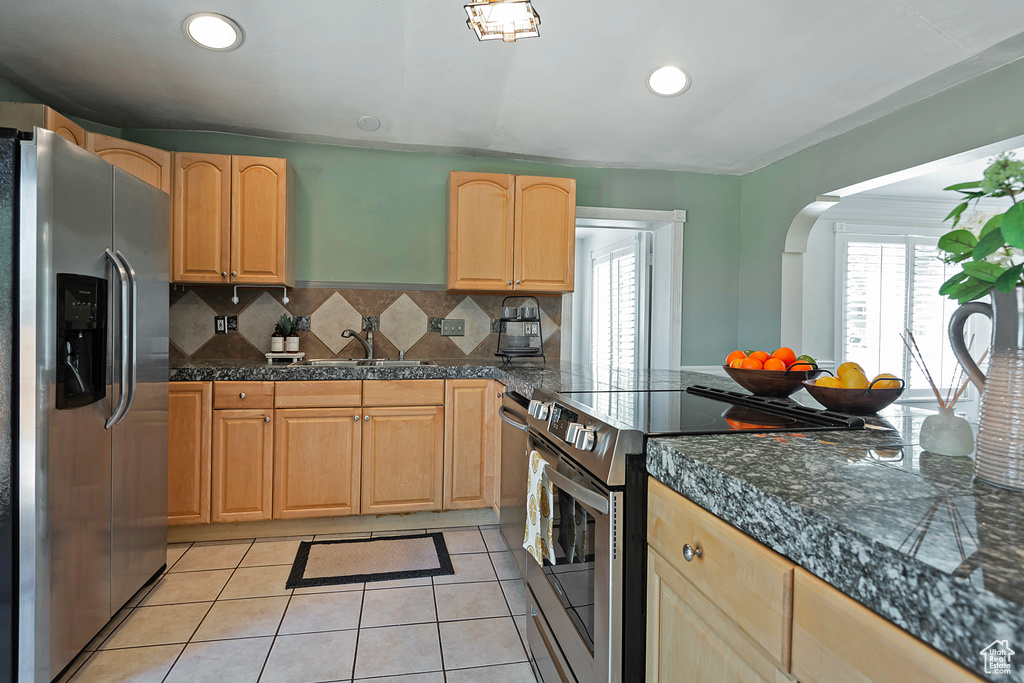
(86, 502)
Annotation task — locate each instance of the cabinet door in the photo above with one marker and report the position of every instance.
(149, 164)
(64, 127)
(470, 422)
(201, 229)
(189, 415)
(243, 465)
(403, 455)
(316, 462)
(480, 231)
(836, 639)
(545, 235)
(689, 638)
(260, 226)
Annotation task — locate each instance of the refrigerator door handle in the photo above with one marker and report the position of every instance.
(122, 276)
(133, 335)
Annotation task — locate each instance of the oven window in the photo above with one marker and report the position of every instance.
(572, 575)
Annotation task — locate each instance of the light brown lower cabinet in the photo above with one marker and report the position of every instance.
(316, 462)
(243, 465)
(189, 413)
(470, 446)
(838, 640)
(690, 639)
(403, 459)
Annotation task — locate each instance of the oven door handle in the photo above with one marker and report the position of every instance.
(581, 493)
(503, 414)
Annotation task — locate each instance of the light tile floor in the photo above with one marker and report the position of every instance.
(221, 613)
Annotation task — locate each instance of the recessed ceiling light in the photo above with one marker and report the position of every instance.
(370, 123)
(213, 31)
(505, 19)
(668, 81)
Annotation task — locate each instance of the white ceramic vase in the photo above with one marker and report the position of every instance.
(999, 458)
(947, 434)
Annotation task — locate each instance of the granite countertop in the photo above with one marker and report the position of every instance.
(904, 532)
(907, 533)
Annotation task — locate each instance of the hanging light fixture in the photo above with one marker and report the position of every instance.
(505, 19)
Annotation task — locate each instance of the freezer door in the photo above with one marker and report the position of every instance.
(139, 450)
(64, 455)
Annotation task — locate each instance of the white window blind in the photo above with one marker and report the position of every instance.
(888, 284)
(613, 341)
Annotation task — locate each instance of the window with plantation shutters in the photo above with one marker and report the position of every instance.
(614, 334)
(886, 284)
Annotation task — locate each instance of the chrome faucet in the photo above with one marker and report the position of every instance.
(367, 343)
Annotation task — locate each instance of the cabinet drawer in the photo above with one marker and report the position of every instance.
(317, 394)
(403, 392)
(836, 639)
(236, 395)
(748, 582)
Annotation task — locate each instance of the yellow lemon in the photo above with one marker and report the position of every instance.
(853, 379)
(845, 367)
(827, 382)
(886, 381)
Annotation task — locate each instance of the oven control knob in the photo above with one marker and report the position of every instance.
(571, 431)
(585, 439)
(539, 409)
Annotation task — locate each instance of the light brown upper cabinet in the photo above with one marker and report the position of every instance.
(25, 116)
(148, 164)
(510, 233)
(189, 414)
(470, 443)
(233, 220)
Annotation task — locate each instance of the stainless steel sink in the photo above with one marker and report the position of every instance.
(363, 362)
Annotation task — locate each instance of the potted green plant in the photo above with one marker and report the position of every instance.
(288, 325)
(991, 260)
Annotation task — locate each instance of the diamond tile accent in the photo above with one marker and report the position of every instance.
(332, 318)
(403, 323)
(547, 326)
(478, 324)
(256, 323)
(191, 323)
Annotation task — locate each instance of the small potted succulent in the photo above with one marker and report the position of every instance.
(288, 325)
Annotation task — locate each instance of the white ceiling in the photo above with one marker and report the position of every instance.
(769, 78)
(930, 185)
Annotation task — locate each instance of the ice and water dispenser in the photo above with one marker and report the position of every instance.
(81, 340)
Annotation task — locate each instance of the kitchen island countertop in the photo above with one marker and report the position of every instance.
(906, 533)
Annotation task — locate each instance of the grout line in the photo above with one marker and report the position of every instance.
(277, 632)
(359, 628)
(437, 624)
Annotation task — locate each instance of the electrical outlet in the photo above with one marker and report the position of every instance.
(531, 329)
(220, 324)
(453, 328)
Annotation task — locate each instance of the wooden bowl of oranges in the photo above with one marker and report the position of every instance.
(779, 374)
(852, 392)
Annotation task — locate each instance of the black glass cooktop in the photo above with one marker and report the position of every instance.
(703, 410)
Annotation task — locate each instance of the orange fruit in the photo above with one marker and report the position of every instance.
(737, 362)
(774, 363)
(886, 381)
(853, 379)
(786, 355)
(751, 363)
(827, 382)
(733, 356)
(761, 356)
(847, 366)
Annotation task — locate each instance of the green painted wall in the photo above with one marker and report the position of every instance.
(12, 93)
(984, 110)
(366, 215)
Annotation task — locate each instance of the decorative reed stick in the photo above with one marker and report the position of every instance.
(915, 353)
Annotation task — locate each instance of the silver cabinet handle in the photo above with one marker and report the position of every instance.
(510, 282)
(266, 419)
(365, 417)
(689, 551)
(519, 282)
(122, 276)
(241, 395)
(503, 414)
(133, 333)
(234, 274)
(223, 273)
(356, 418)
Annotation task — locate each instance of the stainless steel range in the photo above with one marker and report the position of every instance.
(586, 611)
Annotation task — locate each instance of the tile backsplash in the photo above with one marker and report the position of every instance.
(408, 321)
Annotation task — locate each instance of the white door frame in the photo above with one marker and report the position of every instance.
(667, 299)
